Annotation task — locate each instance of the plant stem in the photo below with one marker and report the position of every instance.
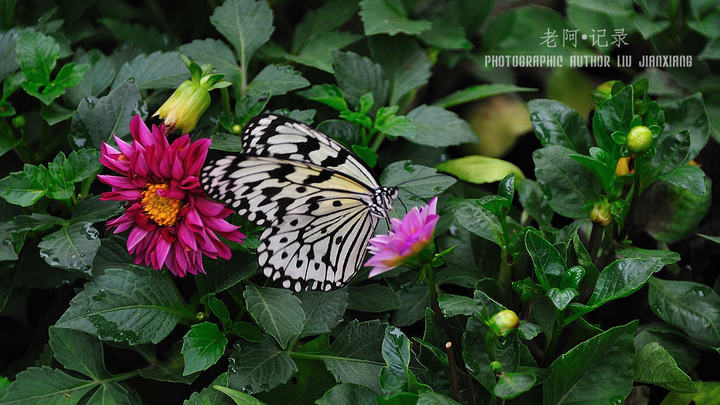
(430, 272)
(226, 101)
(379, 138)
(595, 240)
(453, 372)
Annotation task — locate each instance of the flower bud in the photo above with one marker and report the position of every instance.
(600, 213)
(200, 316)
(190, 100)
(236, 129)
(504, 322)
(639, 139)
(18, 121)
(496, 367)
(623, 166)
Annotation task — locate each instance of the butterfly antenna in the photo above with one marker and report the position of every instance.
(403, 204)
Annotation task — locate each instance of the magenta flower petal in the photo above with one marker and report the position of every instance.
(172, 222)
(407, 238)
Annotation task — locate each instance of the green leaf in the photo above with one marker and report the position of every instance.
(277, 311)
(357, 75)
(349, 394)
(510, 385)
(97, 119)
(202, 347)
(389, 17)
(548, 262)
(219, 309)
(433, 398)
(479, 169)
(92, 209)
(318, 52)
(616, 114)
(111, 254)
(25, 188)
(37, 55)
(707, 394)
(70, 75)
(168, 370)
(396, 375)
(656, 366)
(567, 184)
(413, 302)
(238, 397)
(665, 256)
(598, 370)
(478, 220)
(691, 178)
(221, 275)
(321, 21)
(561, 297)
(98, 77)
(354, 356)
(323, 310)
(257, 367)
(147, 38)
(210, 395)
(533, 201)
(438, 127)
(158, 70)
(415, 182)
(372, 298)
(44, 385)
(671, 213)
(78, 351)
(453, 305)
(8, 55)
(446, 33)
(216, 53)
(622, 278)
(366, 154)
(405, 64)
(478, 92)
(276, 80)
(327, 94)
(247, 24)
(55, 113)
(692, 307)
(556, 123)
(73, 247)
(134, 305)
(80, 165)
(715, 239)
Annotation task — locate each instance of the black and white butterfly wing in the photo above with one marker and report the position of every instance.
(285, 138)
(318, 222)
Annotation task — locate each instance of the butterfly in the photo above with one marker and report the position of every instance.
(320, 204)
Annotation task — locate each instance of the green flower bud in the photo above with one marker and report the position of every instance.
(200, 316)
(190, 100)
(504, 322)
(236, 129)
(639, 139)
(496, 367)
(18, 121)
(600, 213)
(184, 107)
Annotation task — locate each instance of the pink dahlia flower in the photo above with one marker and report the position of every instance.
(407, 238)
(171, 220)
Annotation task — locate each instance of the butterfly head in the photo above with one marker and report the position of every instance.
(382, 201)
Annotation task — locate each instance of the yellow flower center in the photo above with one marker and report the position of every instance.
(162, 210)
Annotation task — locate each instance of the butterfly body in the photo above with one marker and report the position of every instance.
(319, 203)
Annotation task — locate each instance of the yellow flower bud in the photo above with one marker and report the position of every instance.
(639, 139)
(504, 322)
(623, 166)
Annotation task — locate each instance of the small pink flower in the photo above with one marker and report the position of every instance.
(407, 238)
(171, 220)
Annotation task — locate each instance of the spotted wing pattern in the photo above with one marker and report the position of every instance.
(318, 221)
(285, 138)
